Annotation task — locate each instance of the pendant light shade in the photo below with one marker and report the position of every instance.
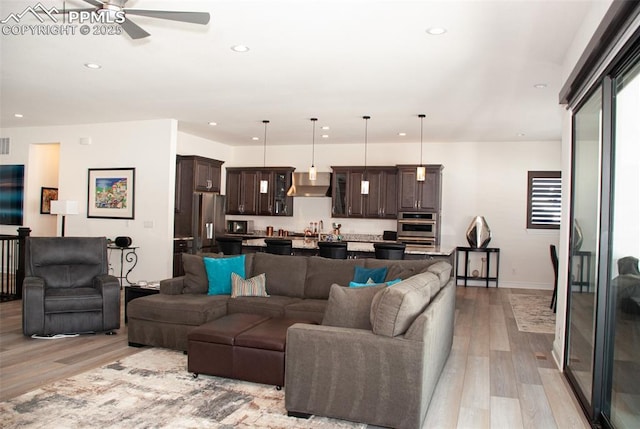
(313, 173)
(264, 185)
(421, 171)
(364, 183)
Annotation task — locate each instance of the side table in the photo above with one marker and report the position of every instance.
(133, 292)
(488, 251)
(127, 254)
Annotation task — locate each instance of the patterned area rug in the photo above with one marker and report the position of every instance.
(532, 313)
(152, 389)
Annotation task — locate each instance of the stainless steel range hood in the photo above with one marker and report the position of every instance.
(301, 186)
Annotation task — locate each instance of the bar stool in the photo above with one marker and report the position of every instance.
(278, 246)
(389, 250)
(332, 249)
(230, 245)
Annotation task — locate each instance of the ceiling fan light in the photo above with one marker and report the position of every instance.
(421, 173)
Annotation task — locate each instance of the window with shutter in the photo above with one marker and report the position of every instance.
(544, 192)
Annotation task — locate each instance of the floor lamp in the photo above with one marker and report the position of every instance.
(64, 207)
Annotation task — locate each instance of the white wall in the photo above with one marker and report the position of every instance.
(148, 146)
(43, 160)
(488, 179)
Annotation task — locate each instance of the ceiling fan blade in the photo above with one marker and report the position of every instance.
(63, 11)
(134, 30)
(191, 17)
(95, 3)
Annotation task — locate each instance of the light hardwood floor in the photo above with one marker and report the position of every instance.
(496, 376)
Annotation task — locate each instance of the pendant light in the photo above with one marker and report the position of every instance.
(421, 171)
(264, 185)
(364, 184)
(313, 173)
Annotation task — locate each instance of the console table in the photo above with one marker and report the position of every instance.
(488, 251)
(127, 254)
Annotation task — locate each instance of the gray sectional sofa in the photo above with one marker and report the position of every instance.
(376, 353)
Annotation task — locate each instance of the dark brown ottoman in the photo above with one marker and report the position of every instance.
(241, 346)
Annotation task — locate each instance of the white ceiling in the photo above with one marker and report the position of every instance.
(335, 60)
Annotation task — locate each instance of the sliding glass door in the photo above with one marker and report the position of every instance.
(583, 284)
(622, 407)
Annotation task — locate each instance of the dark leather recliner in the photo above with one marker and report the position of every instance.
(67, 288)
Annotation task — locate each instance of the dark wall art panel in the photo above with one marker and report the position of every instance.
(11, 194)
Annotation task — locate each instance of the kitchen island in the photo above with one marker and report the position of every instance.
(355, 249)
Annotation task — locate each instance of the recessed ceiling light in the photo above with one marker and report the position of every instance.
(325, 136)
(213, 124)
(326, 127)
(93, 66)
(436, 31)
(402, 134)
(540, 85)
(18, 115)
(240, 48)
(255, 138)
(520, 134)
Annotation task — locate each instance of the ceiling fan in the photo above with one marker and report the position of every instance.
(116, 8)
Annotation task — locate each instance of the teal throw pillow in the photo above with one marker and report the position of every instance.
(362, 275)
(219, 273)
(368, 283)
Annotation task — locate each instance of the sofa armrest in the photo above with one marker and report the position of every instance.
(109, 287)
(172, 286)
(33, 305)
(354, 374)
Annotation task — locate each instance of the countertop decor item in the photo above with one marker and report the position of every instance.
(478, 233)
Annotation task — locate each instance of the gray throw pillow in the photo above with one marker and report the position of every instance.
(350, 307)
(195, 275)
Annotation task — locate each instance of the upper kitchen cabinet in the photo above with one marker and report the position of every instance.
(348, 200)
(244, 194)
(419, 196)
(195, 173)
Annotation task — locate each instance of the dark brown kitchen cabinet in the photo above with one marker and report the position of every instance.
(244, 196)
(348, 200)
(419, 196)
(193, 174)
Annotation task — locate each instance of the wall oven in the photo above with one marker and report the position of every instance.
(418, 228)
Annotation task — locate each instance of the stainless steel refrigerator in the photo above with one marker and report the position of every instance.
(208, 221)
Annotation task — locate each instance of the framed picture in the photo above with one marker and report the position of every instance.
(46, 195)
(12, 201)
(111, 193)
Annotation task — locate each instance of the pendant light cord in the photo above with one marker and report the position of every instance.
(366, 126)
(264, 153)
(313, 142)
(421, 125)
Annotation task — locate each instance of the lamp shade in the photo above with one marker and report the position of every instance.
(64, 207)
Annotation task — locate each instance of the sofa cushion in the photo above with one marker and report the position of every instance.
(185, 309)
(350, 307)
(255, 286)
(272, 306)
(323, 272)
(399, 269)
(285, 274)
(394, 308)
(363, 275)
(195, 275)
(306, 309)
(441, 269)
(219, 273)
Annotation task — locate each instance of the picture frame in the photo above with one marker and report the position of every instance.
(111, 193)
(46, 196)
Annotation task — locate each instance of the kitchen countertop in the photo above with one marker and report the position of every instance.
(356, 246)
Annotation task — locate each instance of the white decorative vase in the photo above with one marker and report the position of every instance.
(478, 233)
